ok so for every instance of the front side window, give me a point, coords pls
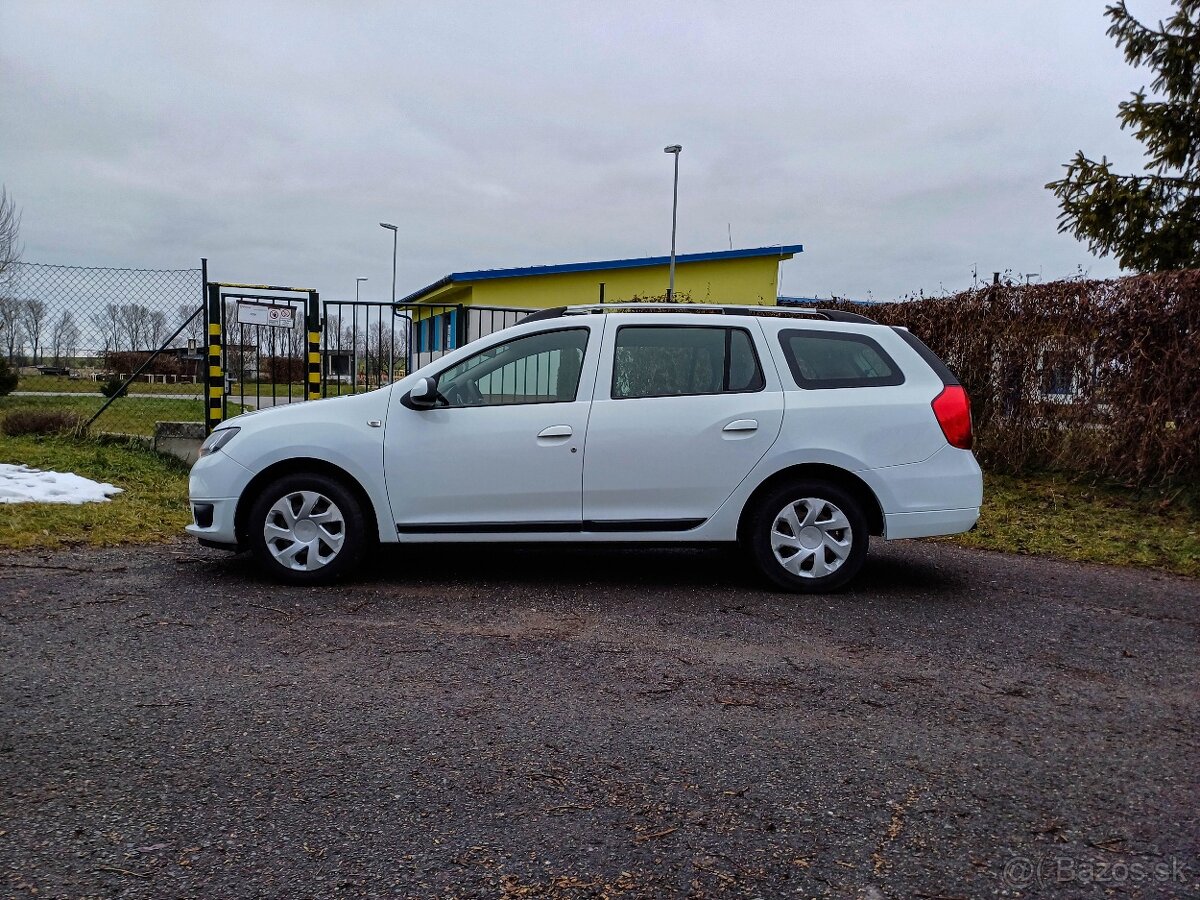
(683, 360)
(540, 368)
(835, 359)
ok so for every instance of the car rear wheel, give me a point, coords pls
(307, 529)
(809, 537)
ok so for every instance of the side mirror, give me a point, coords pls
(424, 394)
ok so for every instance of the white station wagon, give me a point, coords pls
(795, 433)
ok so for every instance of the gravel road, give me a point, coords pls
(536, 723)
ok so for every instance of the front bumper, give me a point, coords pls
(215, 485)
(213, 522)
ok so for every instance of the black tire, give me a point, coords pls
(760, 540)
(353, 529)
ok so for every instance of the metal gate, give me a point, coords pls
(264, 347)
(269, 344)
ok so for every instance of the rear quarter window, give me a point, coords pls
(931, 359)
(835, 359)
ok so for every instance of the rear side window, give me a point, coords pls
(683, 360)
(834, 359)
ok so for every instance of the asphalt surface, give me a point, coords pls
(511, 723)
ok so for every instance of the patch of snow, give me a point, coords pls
(22, 484)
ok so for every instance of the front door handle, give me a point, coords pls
(556, 431)
(742, 425)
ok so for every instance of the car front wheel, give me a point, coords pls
(307, 529)
(809, 537)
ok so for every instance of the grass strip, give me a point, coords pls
(127, 415)
(153, 507)
(1052, 515)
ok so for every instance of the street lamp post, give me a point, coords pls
(674, 150)
(408, 361)
(392, 229)
(357, 282)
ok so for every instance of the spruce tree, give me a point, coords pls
(1149, 222)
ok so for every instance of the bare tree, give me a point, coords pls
(294, 346)
(33, 320)
(338, 347)
(339, 334)
(134, 325)
(108, 323)
(10, 239)
(241, 350)
(10, 326)
(64, 337)
(384, 357)
(10, 256)
(195, 330)
(156, 328)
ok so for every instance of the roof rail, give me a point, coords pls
(830, 315)
(552, 313)
(634, 305)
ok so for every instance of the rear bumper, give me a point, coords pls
(939, 495)
(930, 523)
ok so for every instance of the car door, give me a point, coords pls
(502, 450)
(681, 414)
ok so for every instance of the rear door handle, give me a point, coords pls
(556, 431)
(742, 425)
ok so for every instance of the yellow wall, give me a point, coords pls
(751, 280)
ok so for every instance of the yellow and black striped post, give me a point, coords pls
(215, 382)
(313, 323)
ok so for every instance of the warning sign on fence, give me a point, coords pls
(266, 314)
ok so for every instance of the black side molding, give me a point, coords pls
(586, 527)
(641, 524)
(489, 528)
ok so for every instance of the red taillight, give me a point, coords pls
(953, 410)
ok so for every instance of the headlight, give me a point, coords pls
(217, 440)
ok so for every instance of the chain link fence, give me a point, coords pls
(75, 333)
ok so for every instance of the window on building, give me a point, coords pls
(1058, 374)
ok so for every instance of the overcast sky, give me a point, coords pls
(902, 144)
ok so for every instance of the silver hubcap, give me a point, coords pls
(811, 538)
(304, 530)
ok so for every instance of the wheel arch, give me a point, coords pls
(294, 466)
(843, 478)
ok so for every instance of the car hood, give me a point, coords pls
(372, 404)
